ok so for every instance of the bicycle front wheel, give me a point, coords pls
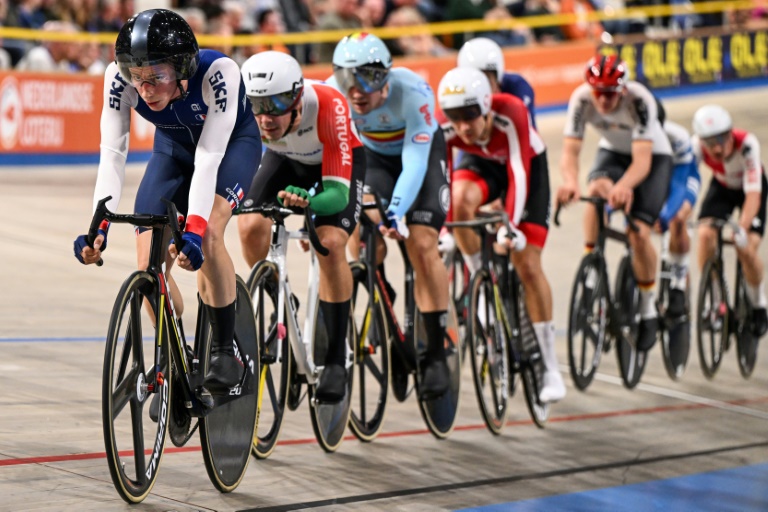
(587, 320)
(712, 317)
(488, 344)
(674, 333)
(631, 361)
(372, 362)
(226, 433)
(134, 438)
(275, 359)
(746, 342)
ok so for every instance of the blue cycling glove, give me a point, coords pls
(193, 249)
(81, 243)
(397, 223)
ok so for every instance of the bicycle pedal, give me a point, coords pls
(205, 397)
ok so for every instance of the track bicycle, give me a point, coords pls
(716, 319)
(597, 319)
(674, 331)
(143, 322)
(288, 354)
(389, 354)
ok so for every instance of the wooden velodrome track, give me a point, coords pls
(54, 315)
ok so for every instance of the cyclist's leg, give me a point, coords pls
(648, 202)
(216, 277)
(752, 266)
(717, 204)
(679, 247)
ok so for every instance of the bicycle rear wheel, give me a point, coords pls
(532, 363)
(134, 442)
(440, 413)
(712, 318)
(488, 345)
(674, 333)
(631, 361)
(329, 420)
(458, 279)
(273, 382)
(746, 342)
(369, 398)
(226, 433)
(587, 320)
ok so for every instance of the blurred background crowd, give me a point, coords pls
(243, 17)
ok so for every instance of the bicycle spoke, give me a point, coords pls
(124, 392)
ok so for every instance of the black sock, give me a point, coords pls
(222, 328)
(434, 322)
(336, 317)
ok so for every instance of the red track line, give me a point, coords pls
(401, 433)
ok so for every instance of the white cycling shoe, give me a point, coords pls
(553, 389)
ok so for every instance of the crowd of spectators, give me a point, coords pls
(242, 17)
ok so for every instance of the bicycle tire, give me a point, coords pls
(587, 320)
(532, 361)
(440, 414)
(631, 361)
(227, 431)
(330, 420)
(674, 333)
(127, 436)
(746, 342)
(274, 373)
(458, 279)
(712, 323)
(372, 361)
(488, 346)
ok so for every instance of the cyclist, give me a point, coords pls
(393, 111)
(632, 169)
(738, 180)
(683, 190)
(503, 157)
(486, 55)
(313, 158)
(206, 150)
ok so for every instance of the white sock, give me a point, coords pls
(545, 332)
(647, 304)
(756, 295)
(473, 261)
(679, 278)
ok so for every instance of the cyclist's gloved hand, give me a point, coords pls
(81, 242)
(445, 241)
(302, 193)
(397, 223)
(741, 238)
(193, 249)
(517, 241)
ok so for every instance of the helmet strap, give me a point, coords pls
(182, 96)
(294, 113)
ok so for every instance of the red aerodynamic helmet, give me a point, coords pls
(606, 73)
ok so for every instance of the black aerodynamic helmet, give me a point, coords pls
(157, 36)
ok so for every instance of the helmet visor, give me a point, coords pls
(466, 114)
(275, 105)
(716, 140)
(368, 79)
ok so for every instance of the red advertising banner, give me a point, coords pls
(56, 114)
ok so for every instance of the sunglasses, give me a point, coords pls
(463, 114)
(368, 79)
(275, 105)
(607, 94)
(716, 140)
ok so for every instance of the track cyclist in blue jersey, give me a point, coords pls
(393, 111)
(206, 150)
(683, 190)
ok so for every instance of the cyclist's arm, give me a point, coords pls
(579, 108)
(119, 98)
(753, 181)
(335, 132)
(518, 133)
(420, 126)
(569, 159)
(220, 92)
(678, 194)
(640, 168)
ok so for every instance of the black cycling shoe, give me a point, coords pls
(646, 333)
(332, 384)
(435, 380)
(224, 372)
(154, 407)
(676, 307)
(759, 322)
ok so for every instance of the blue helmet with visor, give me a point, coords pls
(361, 60)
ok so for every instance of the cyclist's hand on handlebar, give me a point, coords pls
(88, 255)
(741, 238)
(191, 256)
(293, 196)
(567, 192)
(445, 241)
(620, 197)
(397, 228)
(515, 241)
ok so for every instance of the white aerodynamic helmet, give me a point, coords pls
(484, 54)
(464, 94)
(711, 120)
(273, 82)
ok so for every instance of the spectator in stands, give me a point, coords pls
(424, 44)
(582, 28)
(342, 15)
(28, 14)
(373, 12)
(107, 19)
(542, 8)
(196, 19)
(86, 58)
(51, 55)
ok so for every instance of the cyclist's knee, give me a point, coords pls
(333, 239)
